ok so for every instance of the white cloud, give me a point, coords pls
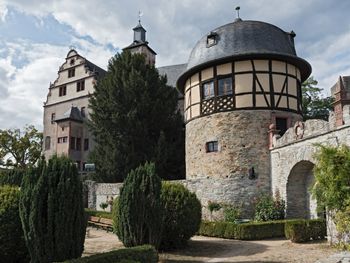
(3, 12)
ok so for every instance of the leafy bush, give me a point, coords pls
(182, 215)
(103, 214)
(12, 245)
(51, 210)
(140, 209)
(342, 221)
(11, 177)
(213, 206)
(268, 208)
(115, 214)
(135, 254)
(304, 230)
(231, 213)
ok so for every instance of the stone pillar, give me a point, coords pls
(273, 132)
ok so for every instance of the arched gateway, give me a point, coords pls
(300, 203)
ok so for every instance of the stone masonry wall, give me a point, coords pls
(223, 176)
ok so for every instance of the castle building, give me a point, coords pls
(66, 110)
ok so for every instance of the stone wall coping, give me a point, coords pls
(310, 137)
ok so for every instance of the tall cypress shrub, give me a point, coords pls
(51, 210)
(140, 211)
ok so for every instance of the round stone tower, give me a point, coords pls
(240, 78)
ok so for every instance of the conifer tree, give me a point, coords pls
(135, 119)
(51, 211)
(139, 212)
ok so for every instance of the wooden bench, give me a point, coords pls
(101, 222)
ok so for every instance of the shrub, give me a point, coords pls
(51, 210)
(245, 231)
(136, 254)
(182, 215)
(342, 222)
(304, 230)
(103, 214)
(140, 210)
(11, 177)
(12, 245)
(260, 230)
(231, 213)
(268, 208)
(115, 214)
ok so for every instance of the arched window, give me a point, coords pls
(47, 143)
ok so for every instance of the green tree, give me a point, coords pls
(135, 119)
(139, 212)
(51, 211)
(332, 178)
(314, 106)
(20, 149)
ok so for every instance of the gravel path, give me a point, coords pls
(206, 249)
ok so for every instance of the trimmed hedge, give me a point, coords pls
(103, 214)
(296, 230)
(135, 254)
(304, 230)
(246, 231)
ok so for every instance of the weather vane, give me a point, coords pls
(237, 9)
(140, 14)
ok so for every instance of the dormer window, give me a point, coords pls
(212, 39)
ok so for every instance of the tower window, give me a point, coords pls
(212, 39)
(62, 91)
(62, 139)
(281, 125)
(53, 117)
(225, 86)
(86, 144)
(212, 146)
(82, 111)
(71, 73)
(208, 90)
(80, 85)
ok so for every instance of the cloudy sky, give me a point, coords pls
(35, 36)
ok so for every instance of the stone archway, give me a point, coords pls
(300, 203)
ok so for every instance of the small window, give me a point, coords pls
(72, 61)
(62, 139)
(62, 91)
(86, 144)
(78, 148)
(80, 85)
(212, 39)
(281, 125)
(82, 111)
(47, 143)
(53, 117)
(71, 73)
(212, 146)
(208, 90)
(72, 143)
(225, 86)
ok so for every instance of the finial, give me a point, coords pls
(140, 14)
(71, 47)
(237, 9)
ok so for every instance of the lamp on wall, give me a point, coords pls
(251, 173)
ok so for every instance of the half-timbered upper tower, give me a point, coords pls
(240, 78)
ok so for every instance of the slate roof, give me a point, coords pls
(246, 39)
(72, 114)
(94, 68)
(172, 72)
